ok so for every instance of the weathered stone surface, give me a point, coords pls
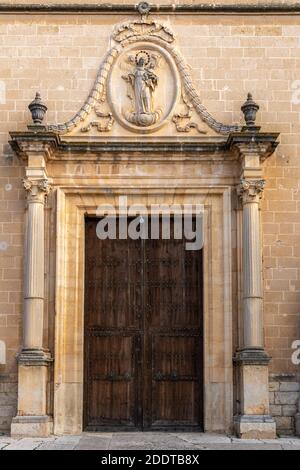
(286, 398)
(284, 423)
(289, 410)
(290, 386)
(7, 410)
(24, 444)
(275, 410)
(284, 403)
(200, 438)
(273, 387)
(32, 426)
(144, 441)
(255, 427)
(61, 443)
(297, 423)
(272, 397)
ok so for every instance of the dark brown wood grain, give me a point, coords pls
(143, 334)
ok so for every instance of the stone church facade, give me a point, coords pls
(171, 105)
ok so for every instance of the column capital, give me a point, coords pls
(250, 191)
(37, 189)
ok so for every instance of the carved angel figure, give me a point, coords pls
(143, 82)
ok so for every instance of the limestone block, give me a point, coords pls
(272, 398)
(6, 411)
(286, 398)
(32, 390)
(275, 410)
(290, 387)
(283, 422)
(31, 426)
(289, 410)
(274, 386)
(255, 427)
(255, 390)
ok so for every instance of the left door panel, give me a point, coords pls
(113, 329)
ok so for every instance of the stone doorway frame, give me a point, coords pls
(41, 150)
(218, 369)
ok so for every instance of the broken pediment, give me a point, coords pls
(143, 88)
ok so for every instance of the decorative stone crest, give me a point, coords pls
(37, 190)
(142, 30)
(251, 190)
(155, 77)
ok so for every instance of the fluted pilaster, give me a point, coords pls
(250, 193)
(37, 191)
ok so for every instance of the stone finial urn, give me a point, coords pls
(37, 109)
(250, 109)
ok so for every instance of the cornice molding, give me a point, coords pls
(108, 8)
(38, 143)
(25, 142)
(260, 143)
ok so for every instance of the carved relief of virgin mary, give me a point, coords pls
(143, 83)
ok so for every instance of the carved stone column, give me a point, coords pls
(250, 193)
(254, 420)
(33, 361)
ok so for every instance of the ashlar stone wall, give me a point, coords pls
(229, 56)
(284, 399)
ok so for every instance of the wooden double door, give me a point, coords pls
(143, 334)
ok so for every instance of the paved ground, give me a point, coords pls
(146, 441)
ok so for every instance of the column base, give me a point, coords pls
(31, 426)
(297, 423)
(255, 427)
(252, 357)
(33, 378)
(35, 357)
